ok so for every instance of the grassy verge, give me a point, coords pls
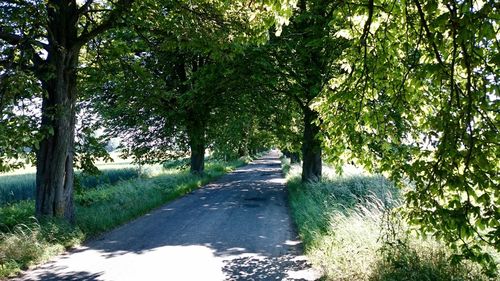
(25, 241)
(352, 230)
(104, 208)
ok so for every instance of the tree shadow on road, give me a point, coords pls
(240, 224)
(265, 268)
(67, 276)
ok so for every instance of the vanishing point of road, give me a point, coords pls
(237, 228)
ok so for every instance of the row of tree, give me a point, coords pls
(405, 88)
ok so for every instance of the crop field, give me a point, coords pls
(19, 185)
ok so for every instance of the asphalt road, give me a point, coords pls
(237, 228)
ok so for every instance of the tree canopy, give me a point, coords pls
(418, 100)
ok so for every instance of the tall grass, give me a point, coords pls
(105, 207)
(352, 230)
(25, 241)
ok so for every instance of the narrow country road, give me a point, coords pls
(237, 228)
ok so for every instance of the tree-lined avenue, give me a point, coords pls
(237, 228)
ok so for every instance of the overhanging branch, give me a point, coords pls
(25, 44)
(14, 39)
(368, 23)
(109, 23)
(85, 7)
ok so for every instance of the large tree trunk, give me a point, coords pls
(54, 176)
(196, 134)
(311, 148)
(197, 158)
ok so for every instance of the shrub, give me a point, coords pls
(181, 163)
(16, 213)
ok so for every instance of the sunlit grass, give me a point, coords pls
(352, 230)
(25, 241)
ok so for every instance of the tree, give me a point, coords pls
(303, 57)
(42, 40)
(174, 61)
(419, 102)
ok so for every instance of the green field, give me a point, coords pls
(20, 185)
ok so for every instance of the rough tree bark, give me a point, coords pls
(58, 76)
(311, 148)
(54, 176)
(195, 126)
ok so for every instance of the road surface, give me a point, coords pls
(237, 228)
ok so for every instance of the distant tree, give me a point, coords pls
(248, 116)
(168, 75)
(302, 58)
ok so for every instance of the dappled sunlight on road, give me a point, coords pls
(286, 267)
(237, 228)
(191, 262)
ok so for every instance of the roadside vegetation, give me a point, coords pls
(25, 240)
(352, 229)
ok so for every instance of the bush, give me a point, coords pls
(181, 163)
(16, 213)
